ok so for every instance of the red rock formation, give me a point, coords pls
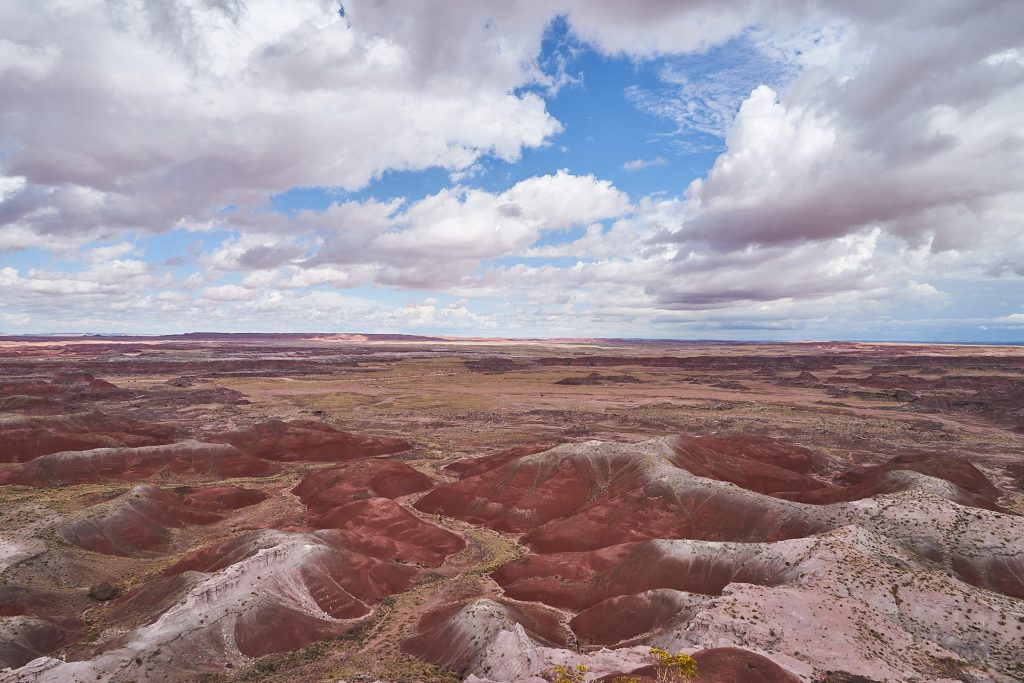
(28, 438)
(140, 519)
(1003, 574)
(336, 485)
(579, 581)
(188, 458)
(527, 491)
(756, 463)
(278, 591)
(724, 665)
(33, 623)
(468, 636)
(352, 503)
(380, 527)
(586, 496)
(307, 441)
(276, 628)
(622, 619)
(972, 487)
(470, 467)
(343, 583)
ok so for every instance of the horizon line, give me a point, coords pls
(402, 336)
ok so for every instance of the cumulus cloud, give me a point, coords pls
(228, 293)
(444, 236)
(922, 129)
(868, 154)
(225, 103)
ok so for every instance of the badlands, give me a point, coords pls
(216, 508)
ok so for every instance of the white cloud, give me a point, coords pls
(111, 251)
(228, 293)
(641, 164)
(870, 154)
(27, 61)
(9, 276)
(226, 103)
(443, 237)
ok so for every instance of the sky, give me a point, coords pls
(713, 169)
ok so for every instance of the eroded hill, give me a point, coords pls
(316, 508)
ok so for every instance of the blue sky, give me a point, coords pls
(543, 169)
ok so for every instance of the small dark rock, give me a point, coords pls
(102, 592)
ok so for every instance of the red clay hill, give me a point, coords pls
(139, 519)
(306, 441)
(190, 508)
(187, 459)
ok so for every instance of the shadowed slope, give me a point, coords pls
(352, 503)
(33, 623)
(340, 484)
(755, 463)
(972, 487)
(581, 580)
(140, 519)
(623, 618)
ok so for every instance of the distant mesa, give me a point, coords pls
(187, 458)
(709, 363)
(1000, 401)
(140, 519)
(731, 385)
(44, 397)
(496, 365)
(596, 379)
(167, 398)
(74, 381)
(307, 441)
